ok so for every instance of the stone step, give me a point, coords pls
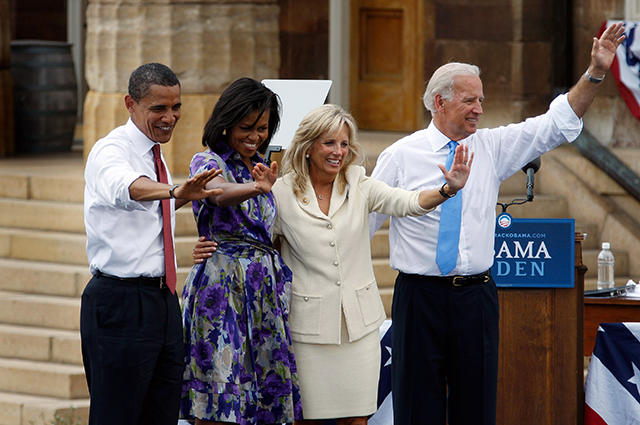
(43, 379)
(42, 215)
(387, 299)
(44, 311)
(591, 230)
(41, 344)
(385, 275)
(52, 247)
(43, 278)
(20, 409)
(67, 217)
(52, 176)
(380, 243)
(67, 248)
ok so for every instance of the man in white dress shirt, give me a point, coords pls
(130, 322)
(445, 323)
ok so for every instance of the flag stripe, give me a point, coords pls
(610, 397)
(591, 417)
(616, 352)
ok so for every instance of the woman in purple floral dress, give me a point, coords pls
(240, 367)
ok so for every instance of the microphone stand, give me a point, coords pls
(530, 169)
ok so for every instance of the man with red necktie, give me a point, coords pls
(130, 317)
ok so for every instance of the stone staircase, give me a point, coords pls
(43, 271)
(43, 265)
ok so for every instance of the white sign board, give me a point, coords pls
(299, 97)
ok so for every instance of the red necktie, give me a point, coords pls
(169, 262)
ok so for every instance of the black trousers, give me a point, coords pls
(445, 352)
(133, 354)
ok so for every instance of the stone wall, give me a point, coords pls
(512, 43)
(208, 44)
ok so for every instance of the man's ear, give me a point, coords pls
(439, 103)
(128, 102)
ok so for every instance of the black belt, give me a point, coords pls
(458, 280)
(155, 282)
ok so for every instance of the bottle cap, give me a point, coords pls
(605, 245)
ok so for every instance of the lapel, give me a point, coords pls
(309, 202)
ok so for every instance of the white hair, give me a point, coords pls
(441, 82)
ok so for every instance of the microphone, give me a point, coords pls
(530, 169)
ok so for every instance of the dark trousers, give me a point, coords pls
(133, 354)
(445, 352)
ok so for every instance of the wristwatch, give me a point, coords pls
(171, 191)
(592, 78)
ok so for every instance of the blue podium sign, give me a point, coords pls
(534, 252)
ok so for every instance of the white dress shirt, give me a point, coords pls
(124, 237)
(411, 163)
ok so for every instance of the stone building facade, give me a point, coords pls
(528, 50)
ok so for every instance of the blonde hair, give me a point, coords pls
(323, 121)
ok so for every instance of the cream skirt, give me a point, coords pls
(339, 381)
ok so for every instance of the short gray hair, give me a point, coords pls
(441, 82)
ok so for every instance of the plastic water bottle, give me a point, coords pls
(605, 267)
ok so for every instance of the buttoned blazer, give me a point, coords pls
(330, 255)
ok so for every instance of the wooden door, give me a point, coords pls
(386, 64)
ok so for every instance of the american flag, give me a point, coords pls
(626, 66)
(612, 387)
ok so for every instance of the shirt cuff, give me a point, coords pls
(565, 118)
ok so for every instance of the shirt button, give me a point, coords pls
(329, 226)
(338, 283)
(306, 298)
(332, 244)
(335, 263)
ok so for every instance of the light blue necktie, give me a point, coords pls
(449, 233)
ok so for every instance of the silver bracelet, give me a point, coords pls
(593, 79)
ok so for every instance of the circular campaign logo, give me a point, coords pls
(505, 220)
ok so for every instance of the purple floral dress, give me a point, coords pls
(239, 360)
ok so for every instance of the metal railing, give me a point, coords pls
(606, 160)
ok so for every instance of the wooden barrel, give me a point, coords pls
(45, 95)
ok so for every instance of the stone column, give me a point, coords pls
(6, 83)
(208, 44)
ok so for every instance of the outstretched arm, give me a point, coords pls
(236, 193)
(194, 189)
(456, 178)
(603, 52)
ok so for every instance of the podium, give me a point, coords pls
(540, 378)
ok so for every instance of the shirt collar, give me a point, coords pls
(141, 142)
(437, 139)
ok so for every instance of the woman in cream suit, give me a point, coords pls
(324, 199)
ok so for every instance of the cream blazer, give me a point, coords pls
(330, 255)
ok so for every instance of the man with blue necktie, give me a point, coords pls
(445, 304)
